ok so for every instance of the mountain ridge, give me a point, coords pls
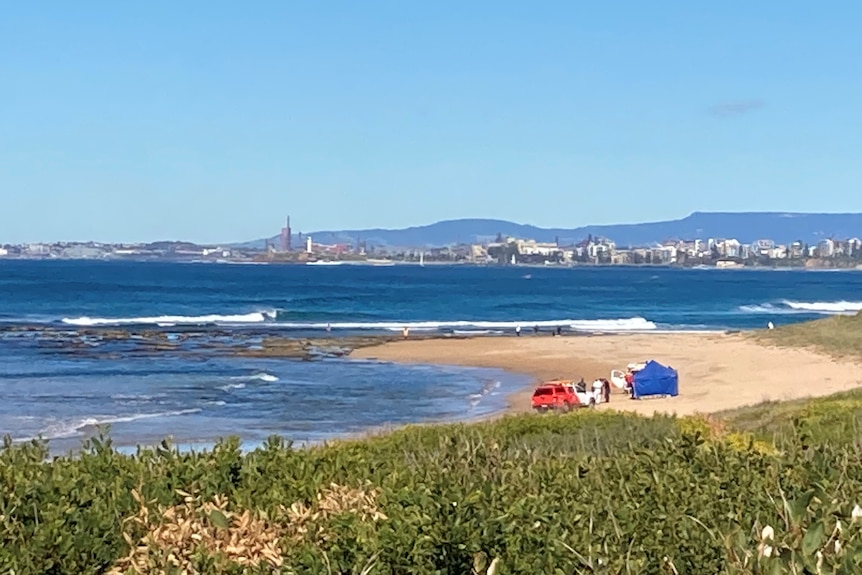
(747, 227)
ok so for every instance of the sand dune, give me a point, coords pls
(717, 371)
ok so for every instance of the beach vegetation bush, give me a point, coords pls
(839, 336)
(587, 492)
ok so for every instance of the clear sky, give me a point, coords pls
(210, 121)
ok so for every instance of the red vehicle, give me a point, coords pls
(555, 395)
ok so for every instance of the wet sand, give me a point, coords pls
(716, 371)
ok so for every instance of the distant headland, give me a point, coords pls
(722, 239)
(746, 227)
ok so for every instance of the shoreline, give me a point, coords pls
(718, 371)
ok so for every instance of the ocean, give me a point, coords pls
(72, 357)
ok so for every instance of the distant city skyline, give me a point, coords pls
(208, 122)
(747, 227)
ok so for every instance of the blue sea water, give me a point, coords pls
(60, 379)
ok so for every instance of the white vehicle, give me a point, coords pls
(591, 397)
(618, 377)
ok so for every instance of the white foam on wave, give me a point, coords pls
(131, 399)
(622, 324)
(172, 320)
(262, 376)
(789, 307)
(231, 386)
(60, 430)
(825, 306)
(477, 332)
(768, 308)
(487, 389)
(629, 324)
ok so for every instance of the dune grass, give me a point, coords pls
(838, 336)
(834, 419)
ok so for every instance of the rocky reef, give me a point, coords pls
(110, 343)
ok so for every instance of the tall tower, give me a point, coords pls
(285, 236)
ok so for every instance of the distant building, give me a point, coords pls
(779, 252)
(764, 246)
(309, 246)
(826, 249)
(284, 244)
(797, 250)
(534, 248)
(664, 255)
(478, 253)
(728, 248)
(82, 252)
(38, 249)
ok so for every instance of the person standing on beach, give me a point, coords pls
(405, 332)
(518, 330)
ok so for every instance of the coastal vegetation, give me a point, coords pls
(838, 336)
(766, 489)
(769, 489)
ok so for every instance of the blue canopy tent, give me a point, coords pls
(655, 379)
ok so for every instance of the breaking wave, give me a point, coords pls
(61, 430)
(627, 324)
(768, 309)
(825, 306)
(789, 307)
(477, 332)
(289, 320)
(262, 376)
(170, 320)
(231, 386)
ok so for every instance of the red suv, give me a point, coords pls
(554, 396)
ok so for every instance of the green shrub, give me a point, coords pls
(587, 492)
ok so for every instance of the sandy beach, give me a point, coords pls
(717, 371)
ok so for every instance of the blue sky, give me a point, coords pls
(210, 121)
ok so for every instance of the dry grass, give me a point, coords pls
(310, 519)
(178, 538)
(839, 336)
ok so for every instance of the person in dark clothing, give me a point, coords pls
(536, 329)
(581, 386)
(606, 390)
(559, 330)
